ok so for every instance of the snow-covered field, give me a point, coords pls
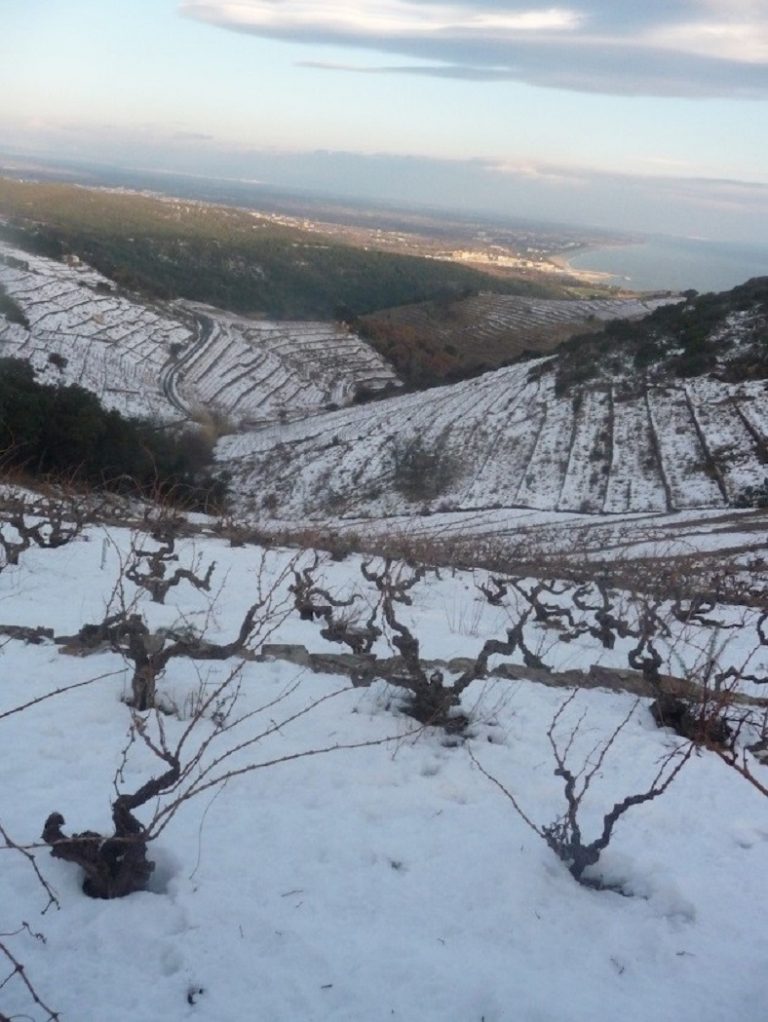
(341, 862)
(392, 881)
(496, 314)
(704, 540)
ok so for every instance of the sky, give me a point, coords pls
(630, 114)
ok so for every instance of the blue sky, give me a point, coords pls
(638, 114)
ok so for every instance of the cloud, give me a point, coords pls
(378, 19)
(692, 48)
(556, 176)
(192, 136)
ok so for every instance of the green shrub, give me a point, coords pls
(51, 430)
(9, 308)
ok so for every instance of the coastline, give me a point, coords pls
(670, 264)
(561, 265)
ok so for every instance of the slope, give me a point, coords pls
(228, 257)
(159, 359)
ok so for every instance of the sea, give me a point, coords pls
(676, 264)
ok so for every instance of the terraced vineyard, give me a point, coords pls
(82, 331)
(529, 319)
(623, 442)
(163, 359)
(488, 330)
(256, 370)
(507, 440)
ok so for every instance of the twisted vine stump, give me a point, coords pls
(117, 865)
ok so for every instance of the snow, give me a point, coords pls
(508, 441)
(387, 882)
(535, 323)
(254, 370)
(387, 877)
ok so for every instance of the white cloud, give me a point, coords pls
(646, 47)
(380, 17)
(541, 173)
(726, 38)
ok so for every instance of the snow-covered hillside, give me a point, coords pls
(496, 313)
(82, 331)
(255, 371)
(507, 440)
(163, 360)
(389, 880)
(624, 443)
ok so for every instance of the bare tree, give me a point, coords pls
(48, 523)
(431, 698)
(125, 631)
(695, 705)
(150, 652)
(313, 602)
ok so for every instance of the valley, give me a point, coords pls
(388, 577)
(325, 425)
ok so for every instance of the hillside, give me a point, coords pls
(594, 429)
(169, 359)
(507, 439)
(724, 334)
(585, 454)
(232, 258)
(439, 342)
(254, 764)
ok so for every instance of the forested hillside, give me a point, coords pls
(724, 333)
(232, 258)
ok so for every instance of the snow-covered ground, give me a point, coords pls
(373, 871)
(705, 539)
(501, 314)
(257, 371)
(503, 441)
(393, 881)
